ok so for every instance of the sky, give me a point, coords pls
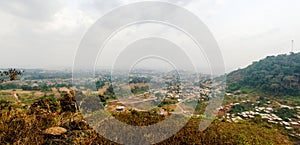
(47, 34)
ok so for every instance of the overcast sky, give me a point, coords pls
(46, 34)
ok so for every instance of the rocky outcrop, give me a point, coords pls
(68, 103)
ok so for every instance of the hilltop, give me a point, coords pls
(275, 75)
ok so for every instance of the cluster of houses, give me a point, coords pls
(121, 108)
(45, 82)
(266, 113)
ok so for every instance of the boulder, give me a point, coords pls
(68, 103)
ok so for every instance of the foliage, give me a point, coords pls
(286, 113)
(42, 75)
(241, 108)
(135, 80)
(18, 126)
(100, 84)
(10, 75)
(109, 93)
(139, 90)
(279, 75)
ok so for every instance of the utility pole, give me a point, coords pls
(292, 49)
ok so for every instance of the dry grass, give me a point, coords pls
(25, 125)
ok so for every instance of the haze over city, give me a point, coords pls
(36, 34)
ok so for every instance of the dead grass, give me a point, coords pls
(25, 125)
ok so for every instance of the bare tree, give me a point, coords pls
(10, 75)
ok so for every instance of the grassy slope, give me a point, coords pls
(21, 125)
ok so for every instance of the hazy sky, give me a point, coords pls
(46, 34)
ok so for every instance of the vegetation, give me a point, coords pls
(21, 123)
(42, 75)
(276, 75)
(109, 93)
(139, 90)
(9, 75)
(136, 80)
(241, 108)
(100, 84)
(286, 113)
(25, 125)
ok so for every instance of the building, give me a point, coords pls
(120, 108)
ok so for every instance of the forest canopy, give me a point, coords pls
(278, 75)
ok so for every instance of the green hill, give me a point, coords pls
(276, 75)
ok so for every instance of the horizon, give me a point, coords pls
(105, 68)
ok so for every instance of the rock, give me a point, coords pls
(45, 105)
(68, 103)
(55, 131)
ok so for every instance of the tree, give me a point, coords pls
(274, 75)
(100, 84)
(275, 87)
(109, 93)
(10, 75)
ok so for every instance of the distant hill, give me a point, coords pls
(276, 75)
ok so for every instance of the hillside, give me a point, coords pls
(47, 122)
(276, 75)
